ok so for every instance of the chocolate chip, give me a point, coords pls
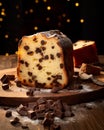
(8, 113)
(11, 77)
(46, 57)
(52, 56)
(61, 65)
(15, 122)
(58, 55)
(55, 89)
(26, 64)
(43, 48)
(30, 92)
(38, 50)
(5, 86)
(22, 61)
(22, 110)
(26, 47)
(4, 79)
(43, 42)
(30, 53)
(25, 127)
(53, 47)
(29, 73)
(18, 83)
(35, 39)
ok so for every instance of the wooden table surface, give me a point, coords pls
(87, 116)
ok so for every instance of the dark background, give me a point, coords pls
(21, 16)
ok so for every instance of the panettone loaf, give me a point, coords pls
(84, 52)
(45, 60)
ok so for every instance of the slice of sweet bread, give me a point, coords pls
(84, 52)
(45, 59)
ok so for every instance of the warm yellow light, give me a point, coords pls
(2, 9)
(3, 13)
(17, 6)
(1, 19)
(26, 12)
(48, 7)
(6, 36)
(44, 0)
(47, 19)
(35, 28)
(6, 54)
(16, 52)
(36, 1)
(82, 20)
(76, 4)
(31, 10)
(68, 20)
(63, 15)
(0, 4)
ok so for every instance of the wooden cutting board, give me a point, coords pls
(15, 95)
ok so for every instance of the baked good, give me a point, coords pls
(45, 60)
(84, 52)
(90, 69)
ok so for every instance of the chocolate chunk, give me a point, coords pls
(5, 79)
(24, 126)
(5, 86)
(39, 114)
(15, 122)
(55, 89)
(41, 101)
(22, 110)
(42, 107)
(30, 92)
(8, 113)
(18, 83)
(11, 77)
(32, 114)
(32, 105)
(48, 120)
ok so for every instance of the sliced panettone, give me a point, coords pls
(45, 59)
(84, 52)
